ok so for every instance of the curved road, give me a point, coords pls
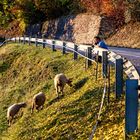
(131, 54)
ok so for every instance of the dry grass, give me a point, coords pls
(26, 70)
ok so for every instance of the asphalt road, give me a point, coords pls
(131, 54)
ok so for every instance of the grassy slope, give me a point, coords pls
(26, 70)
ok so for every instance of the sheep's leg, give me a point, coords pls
(37, 108)
(62, 88)
(10, 121)
(41, 107)
(57, 91)
(32, 108)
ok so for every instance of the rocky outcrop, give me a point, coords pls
(79, 28)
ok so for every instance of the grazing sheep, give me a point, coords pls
(38, 101)
(60, 80)
(13, 110)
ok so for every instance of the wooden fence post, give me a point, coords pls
(19, 39)
(75, 54)
(36, 43)
(29, 40)
(96, 69)
(64, 48)
(43, 43)
(15, 39)
(53, 45)
(118, 77)
(89, 55)
(85, 59)
(24, 39)
(131, 106)
(104, 63)
(108, 98)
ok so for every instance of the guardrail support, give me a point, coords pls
(75, 54)
(89, 55)
(43, 43)
(131, 106)
(24, 39)
(53, 45)
(36, 43)
(29, 40)
(118, 77)
(64, 48)
(104, 63)
(19, 39)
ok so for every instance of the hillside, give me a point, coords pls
(27, 70)
(127, 36)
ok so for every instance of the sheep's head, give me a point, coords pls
(69, 82)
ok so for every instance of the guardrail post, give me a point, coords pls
(15, 39)
(96, 69)
(89, 55)
(75, 54)
(36, 43)
(131, 106)
(64, 48)
(24, 39)
(108, 98)
(104, 63)
(53, 45)
(43, 43)
(19, 39)
(29, 40)
(118, 77)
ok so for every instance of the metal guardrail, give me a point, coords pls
(129, 68)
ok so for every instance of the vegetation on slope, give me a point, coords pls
(21, 13)
(27, 70)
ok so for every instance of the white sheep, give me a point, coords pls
(13, 110)
(38, 101)
(60, 80)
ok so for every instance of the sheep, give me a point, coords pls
(60, 80)
(38, 101)
(13, 110)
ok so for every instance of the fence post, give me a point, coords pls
(24, 39)
(43, 43)
(36, 43)
(89, 55)
(15, 39)
(85, 59)
(64, 48)
(118, 77)
(19, 39)
(96, 69)
(29, 40)
(75, 54)
(108, 100)
(131, 106)
(104, 64)
(53, 46)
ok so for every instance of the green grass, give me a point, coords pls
(27, 70)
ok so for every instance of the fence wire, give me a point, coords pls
(100, 111)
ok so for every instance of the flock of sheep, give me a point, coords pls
(38, 101)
